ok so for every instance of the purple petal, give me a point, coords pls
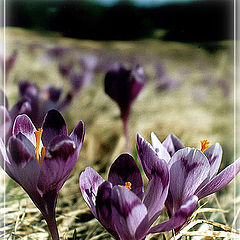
(24, 125)
(104, 207)
(18, 151)
(89, 181)
(179, 218)
(157, 190)
(159, 148)
(3, 152)
(129, 213)
(172, 144)
(27, 88)
(27, 143)
(189, 167)
(78, 133)
(53, 125)
(146, 155)
(23, 106)
(221, 180)
(123, 170)
(214, 156)
(55, 166)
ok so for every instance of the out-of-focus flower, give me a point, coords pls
(65, 68)
(41, 160)
(57, 52)
(40, 101)
(193, 173)
(80, 80)
(33, 103)
(88, 62)
(123, 86)
(9, 62)
(119, 204)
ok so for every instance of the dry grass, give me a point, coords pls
(174, 111)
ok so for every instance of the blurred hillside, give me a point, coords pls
(199, 21)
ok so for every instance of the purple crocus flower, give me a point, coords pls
(119, 203)
(123, 86)
(41, 160)
(193, 173)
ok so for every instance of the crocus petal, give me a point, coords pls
(24, 125)
(128, 213)
(23, 106)
(18, 151)
(214, 156)
(123, 170)
(53, 125)
(179, 218)
(157, 190)
(189, 167)
(54, 168)
(89, 181)
(146, 154)
(172, 144)
(78, 133)
(221, 180)
(159, 148)
(104, 207)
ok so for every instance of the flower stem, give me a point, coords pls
(126, 134)
(52, 226)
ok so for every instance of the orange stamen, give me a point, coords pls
(46, 95)
(128, 185)
(204, 145)
(43, 151)
(38, 134)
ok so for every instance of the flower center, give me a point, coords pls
(204, 145)
(38, 134)
(128, 185)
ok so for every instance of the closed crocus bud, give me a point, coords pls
(123, 86)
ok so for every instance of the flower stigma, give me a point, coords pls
(38, 134)
(128, 185)
(204, 145)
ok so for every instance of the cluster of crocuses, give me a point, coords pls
(178, 177)
(32, 102)
(41, 160)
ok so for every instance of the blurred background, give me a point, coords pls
(186, 49)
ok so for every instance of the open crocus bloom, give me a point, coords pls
(41, 160)
(119, 204)
(193, 173)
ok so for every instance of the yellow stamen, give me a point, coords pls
(128, 185)
(204, 145)
(43, 151)
(38, 134)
